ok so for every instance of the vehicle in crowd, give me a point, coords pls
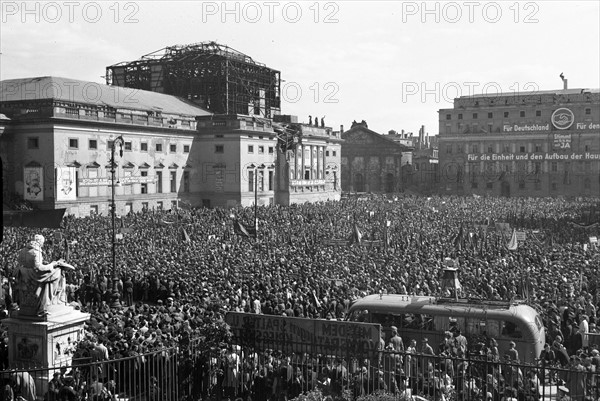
(417, 317)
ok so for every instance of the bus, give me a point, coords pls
(417, 317)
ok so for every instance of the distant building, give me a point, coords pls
(372, 162)
(422, 175)
(245, 158)
(544, 143)
(57, 139)
(57, 135)
(214, 76)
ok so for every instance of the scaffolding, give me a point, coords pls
(213, 76)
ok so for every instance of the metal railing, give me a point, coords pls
(264, 373)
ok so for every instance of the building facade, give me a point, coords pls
(372, 162)
(527, 144)
(58, 135)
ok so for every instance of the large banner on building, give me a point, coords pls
(65, 184)
(33, 180)
(292, 334)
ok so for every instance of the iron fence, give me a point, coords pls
(264, 373)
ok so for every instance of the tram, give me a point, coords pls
(417, 317)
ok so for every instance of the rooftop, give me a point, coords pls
(92, 93)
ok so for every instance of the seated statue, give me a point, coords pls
(38, 286)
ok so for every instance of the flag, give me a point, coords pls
(513, 244)
(184, 235)
(459, 239)
(242, 230)
(356, 236)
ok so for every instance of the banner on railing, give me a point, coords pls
(292, 334)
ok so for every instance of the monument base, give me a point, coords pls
(44, 342)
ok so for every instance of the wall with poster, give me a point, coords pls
(65, 184)
(33, 181)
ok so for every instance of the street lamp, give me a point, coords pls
(113, 209)
(255, 168)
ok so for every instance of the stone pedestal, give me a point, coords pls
(44, 342)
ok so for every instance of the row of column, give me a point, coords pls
(312, 157)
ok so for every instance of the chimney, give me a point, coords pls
(565, 83)
(341, 129)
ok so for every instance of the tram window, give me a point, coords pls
(360, 316)
(493, 328)
(511, 330)
(476, 327)
(421, 322)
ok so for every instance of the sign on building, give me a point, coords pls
(65, 184)
(33, 181)
(292, 334)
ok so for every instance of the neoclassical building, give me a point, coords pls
(371, 162)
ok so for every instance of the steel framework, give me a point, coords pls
(214, 76)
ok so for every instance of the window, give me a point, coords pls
(460, 116)
(506, 148)
(586, 183)
(159, 183)
(33, 142)
(186, 148)
(159, 205)
(173, 148)
(219, 136)
(327, 153)
(271, 150)
(128, 146)
(73, 143)
(474, 116)
(448, 116)
(186, 181)
(250, 181)
(587, 147)
(144, 173)
(144, 187)
(334, 153)
(554, 167)
(448, 149)
(158, 147)
(270, 180)
(144, 146)
(521, 185)
(490, 149)
(145, 206)
(261, 150)
(250, 148)
(93, 210)
(537, 185)
(474, 184)
(490, 115)
(553, 186)
(538, 147)
(538, 113)
(588, 110)
(92, 144)
(474, 149)
(219, 148)
(522, 149)
(173, 180)
(506, 114)
(522, 113)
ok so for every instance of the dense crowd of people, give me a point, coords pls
(179, 271)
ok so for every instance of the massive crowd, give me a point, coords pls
(179, 271)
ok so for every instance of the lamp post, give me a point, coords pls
(118, 141)
(255, 167)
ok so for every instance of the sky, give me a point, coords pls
(394, 64)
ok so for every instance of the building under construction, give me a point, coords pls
(215, 77)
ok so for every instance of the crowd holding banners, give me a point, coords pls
(172, 288)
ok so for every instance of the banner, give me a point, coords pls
(521, 236)
(593, 240)
(293, 334)
(33, 179)
(65, 184)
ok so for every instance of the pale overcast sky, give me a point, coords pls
(391, 63)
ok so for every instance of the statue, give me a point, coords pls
(39, 286)
(309, 120)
